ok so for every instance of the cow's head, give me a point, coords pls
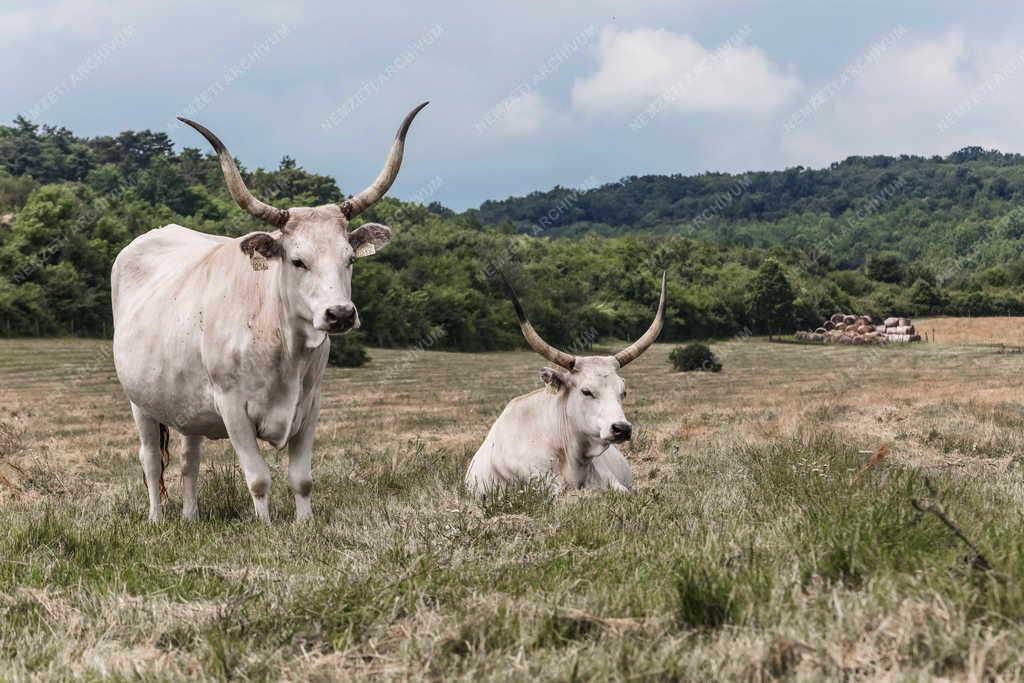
(590, 386)
(313, 245)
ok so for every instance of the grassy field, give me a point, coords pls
(990, 329)
(755, 547)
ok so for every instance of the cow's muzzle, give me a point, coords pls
(621, 431)
(341, 318)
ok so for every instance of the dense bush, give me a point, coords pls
(694, 357)
(347, 351)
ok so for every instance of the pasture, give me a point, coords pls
(754, 547)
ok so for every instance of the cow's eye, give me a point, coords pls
(588, 393)
(300, 264)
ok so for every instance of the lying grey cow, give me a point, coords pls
(565, 433)
(217, 337)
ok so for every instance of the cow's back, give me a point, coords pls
(517, 445)
(152, 261)
(159, 283)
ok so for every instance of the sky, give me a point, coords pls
(526, 95)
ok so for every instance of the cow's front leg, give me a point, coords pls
(243, 438)
(300, 458)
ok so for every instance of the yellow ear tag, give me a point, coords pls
(258, 262)
(366, 249)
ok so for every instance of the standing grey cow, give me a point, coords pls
(565, 433)
(228, 338)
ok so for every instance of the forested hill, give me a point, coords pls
(764, 252)
(929, 209)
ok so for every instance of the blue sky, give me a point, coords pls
(529, 94)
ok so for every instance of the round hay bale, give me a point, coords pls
(850, 319)
(892, 322)
(837, 317)
(908, 329)
(904, 322)
(840, 326)
(858, 341)
(820, 330)
(829, 325)
(880, 328)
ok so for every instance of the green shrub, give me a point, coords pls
(694, 357)
(347, 352)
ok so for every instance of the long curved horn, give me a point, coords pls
(236, 186)
(631, 352)
(561, 358)
(368, 197)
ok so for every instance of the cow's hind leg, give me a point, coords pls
(151, 458)
(190, 477)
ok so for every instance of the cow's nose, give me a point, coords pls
(339, 317)
(621, 431)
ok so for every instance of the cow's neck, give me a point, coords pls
(300, 338)
(576, 452)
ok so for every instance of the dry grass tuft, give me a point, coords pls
(876, 458)
(10, 439)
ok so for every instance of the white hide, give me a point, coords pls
(558, 434)
(204, 344)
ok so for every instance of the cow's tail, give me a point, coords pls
(165, 457)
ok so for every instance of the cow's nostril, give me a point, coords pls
(339, 315)
(622, 430)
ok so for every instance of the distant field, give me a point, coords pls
(985, 330)
(751, 550)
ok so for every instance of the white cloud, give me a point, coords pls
(68, 19)
(924, 96)
(526, 115)
(639, 68)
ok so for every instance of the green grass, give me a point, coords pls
(748, 551)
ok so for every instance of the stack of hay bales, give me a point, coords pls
(900, 330)
(843, 328)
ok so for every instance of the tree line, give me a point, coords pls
(765, 252)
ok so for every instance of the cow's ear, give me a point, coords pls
(555, 379)
(262, 243)
(369, 238)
